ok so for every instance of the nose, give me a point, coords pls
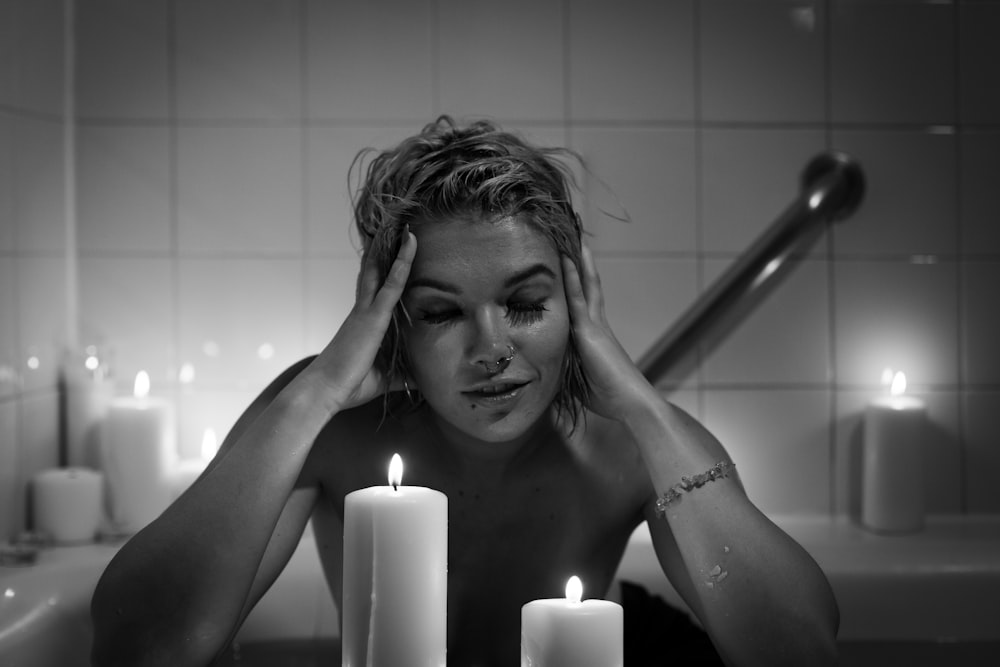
(490, 347)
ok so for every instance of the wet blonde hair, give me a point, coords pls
(479, 172)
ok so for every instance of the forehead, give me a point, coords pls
(461, 249)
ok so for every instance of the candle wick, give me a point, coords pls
(395, 487)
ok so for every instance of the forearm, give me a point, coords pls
(760, 596)
(184, 579)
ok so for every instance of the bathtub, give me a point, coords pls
(928, 598)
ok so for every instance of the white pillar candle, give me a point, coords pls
(139, 449)
(568, 632)
(395, 575)
(892, 480)
(67, 504)
(88, 393)
(186, 471)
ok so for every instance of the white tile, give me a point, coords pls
(329, 297)
(11, 485)
(631, 60)
(911, 195)
(898, 315)
(41, 31)
(749, 177)
(942, 453)
(123, 189)
(979, 64)
(240, 320)
(780, 442)
(785, 338)
(126, 304)
(980, 323)
(240, 190)
(643, 297)
(981, 412)
(9, 56)
(203, 408)
(980, 196)
(762, 61)
(370, 60)
(39, 197)
(501, 64)
(238, 59)
(122, 59)
(331, 152)
(8, 221)
(645, 173)
(10, 366)
(893, 62)
(41, 318)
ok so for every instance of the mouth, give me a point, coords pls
(496, 392)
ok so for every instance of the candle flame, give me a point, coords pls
(395, 471)
(209, 444)
(574, 589)
(898, 384)
(141, 387)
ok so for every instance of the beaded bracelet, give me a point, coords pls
(673, 494)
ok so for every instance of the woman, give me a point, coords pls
(477, 349)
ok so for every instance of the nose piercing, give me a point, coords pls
(501, 364)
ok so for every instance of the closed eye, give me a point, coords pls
(519, 313)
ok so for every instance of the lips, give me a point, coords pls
(495, 391)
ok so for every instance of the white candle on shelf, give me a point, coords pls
(570, 632)
(186, 471)
(139, 449)
(67, 504)
(89, 390)
(395, 575)
(892, 480)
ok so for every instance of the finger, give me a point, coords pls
(575, 297)
(395, 282)
(592, 286)
(368, 282)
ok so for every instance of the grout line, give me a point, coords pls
(960, 282)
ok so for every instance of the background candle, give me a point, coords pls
(139, 448)
(184, 472)
(568, 632)
(395, 576)
(89, 390)
(892, 481)
(67, 504)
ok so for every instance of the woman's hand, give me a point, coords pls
(616, 385)
(346, 365)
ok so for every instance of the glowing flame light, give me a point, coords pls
(574, 589)
(209, 444)
(141, 387)
(898, 384)
(395, 471)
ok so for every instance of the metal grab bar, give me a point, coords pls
(833, 186)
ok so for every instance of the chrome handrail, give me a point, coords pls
(833, 186)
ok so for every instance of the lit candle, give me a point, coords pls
(67, 504)
(568, 632)
(892, 484)
(139, 449)
(89, 390)
(395, 575)
(186, 471)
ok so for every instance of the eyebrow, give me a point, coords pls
(514, 279)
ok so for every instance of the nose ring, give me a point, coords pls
(501, 364)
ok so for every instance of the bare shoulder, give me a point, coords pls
(611, 456)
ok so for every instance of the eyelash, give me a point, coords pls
(518, 313)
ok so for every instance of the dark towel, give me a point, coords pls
(658, 634)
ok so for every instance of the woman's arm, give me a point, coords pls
(176, 592)
(759, 595)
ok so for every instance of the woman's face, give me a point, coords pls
(476, 288)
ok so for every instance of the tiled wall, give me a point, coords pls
(214, 141)
(33, 280)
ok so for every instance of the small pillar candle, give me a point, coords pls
(89, 391)
(139, 448)
(892, 481)
(68, 504)
(570, 632)
(395, 591)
